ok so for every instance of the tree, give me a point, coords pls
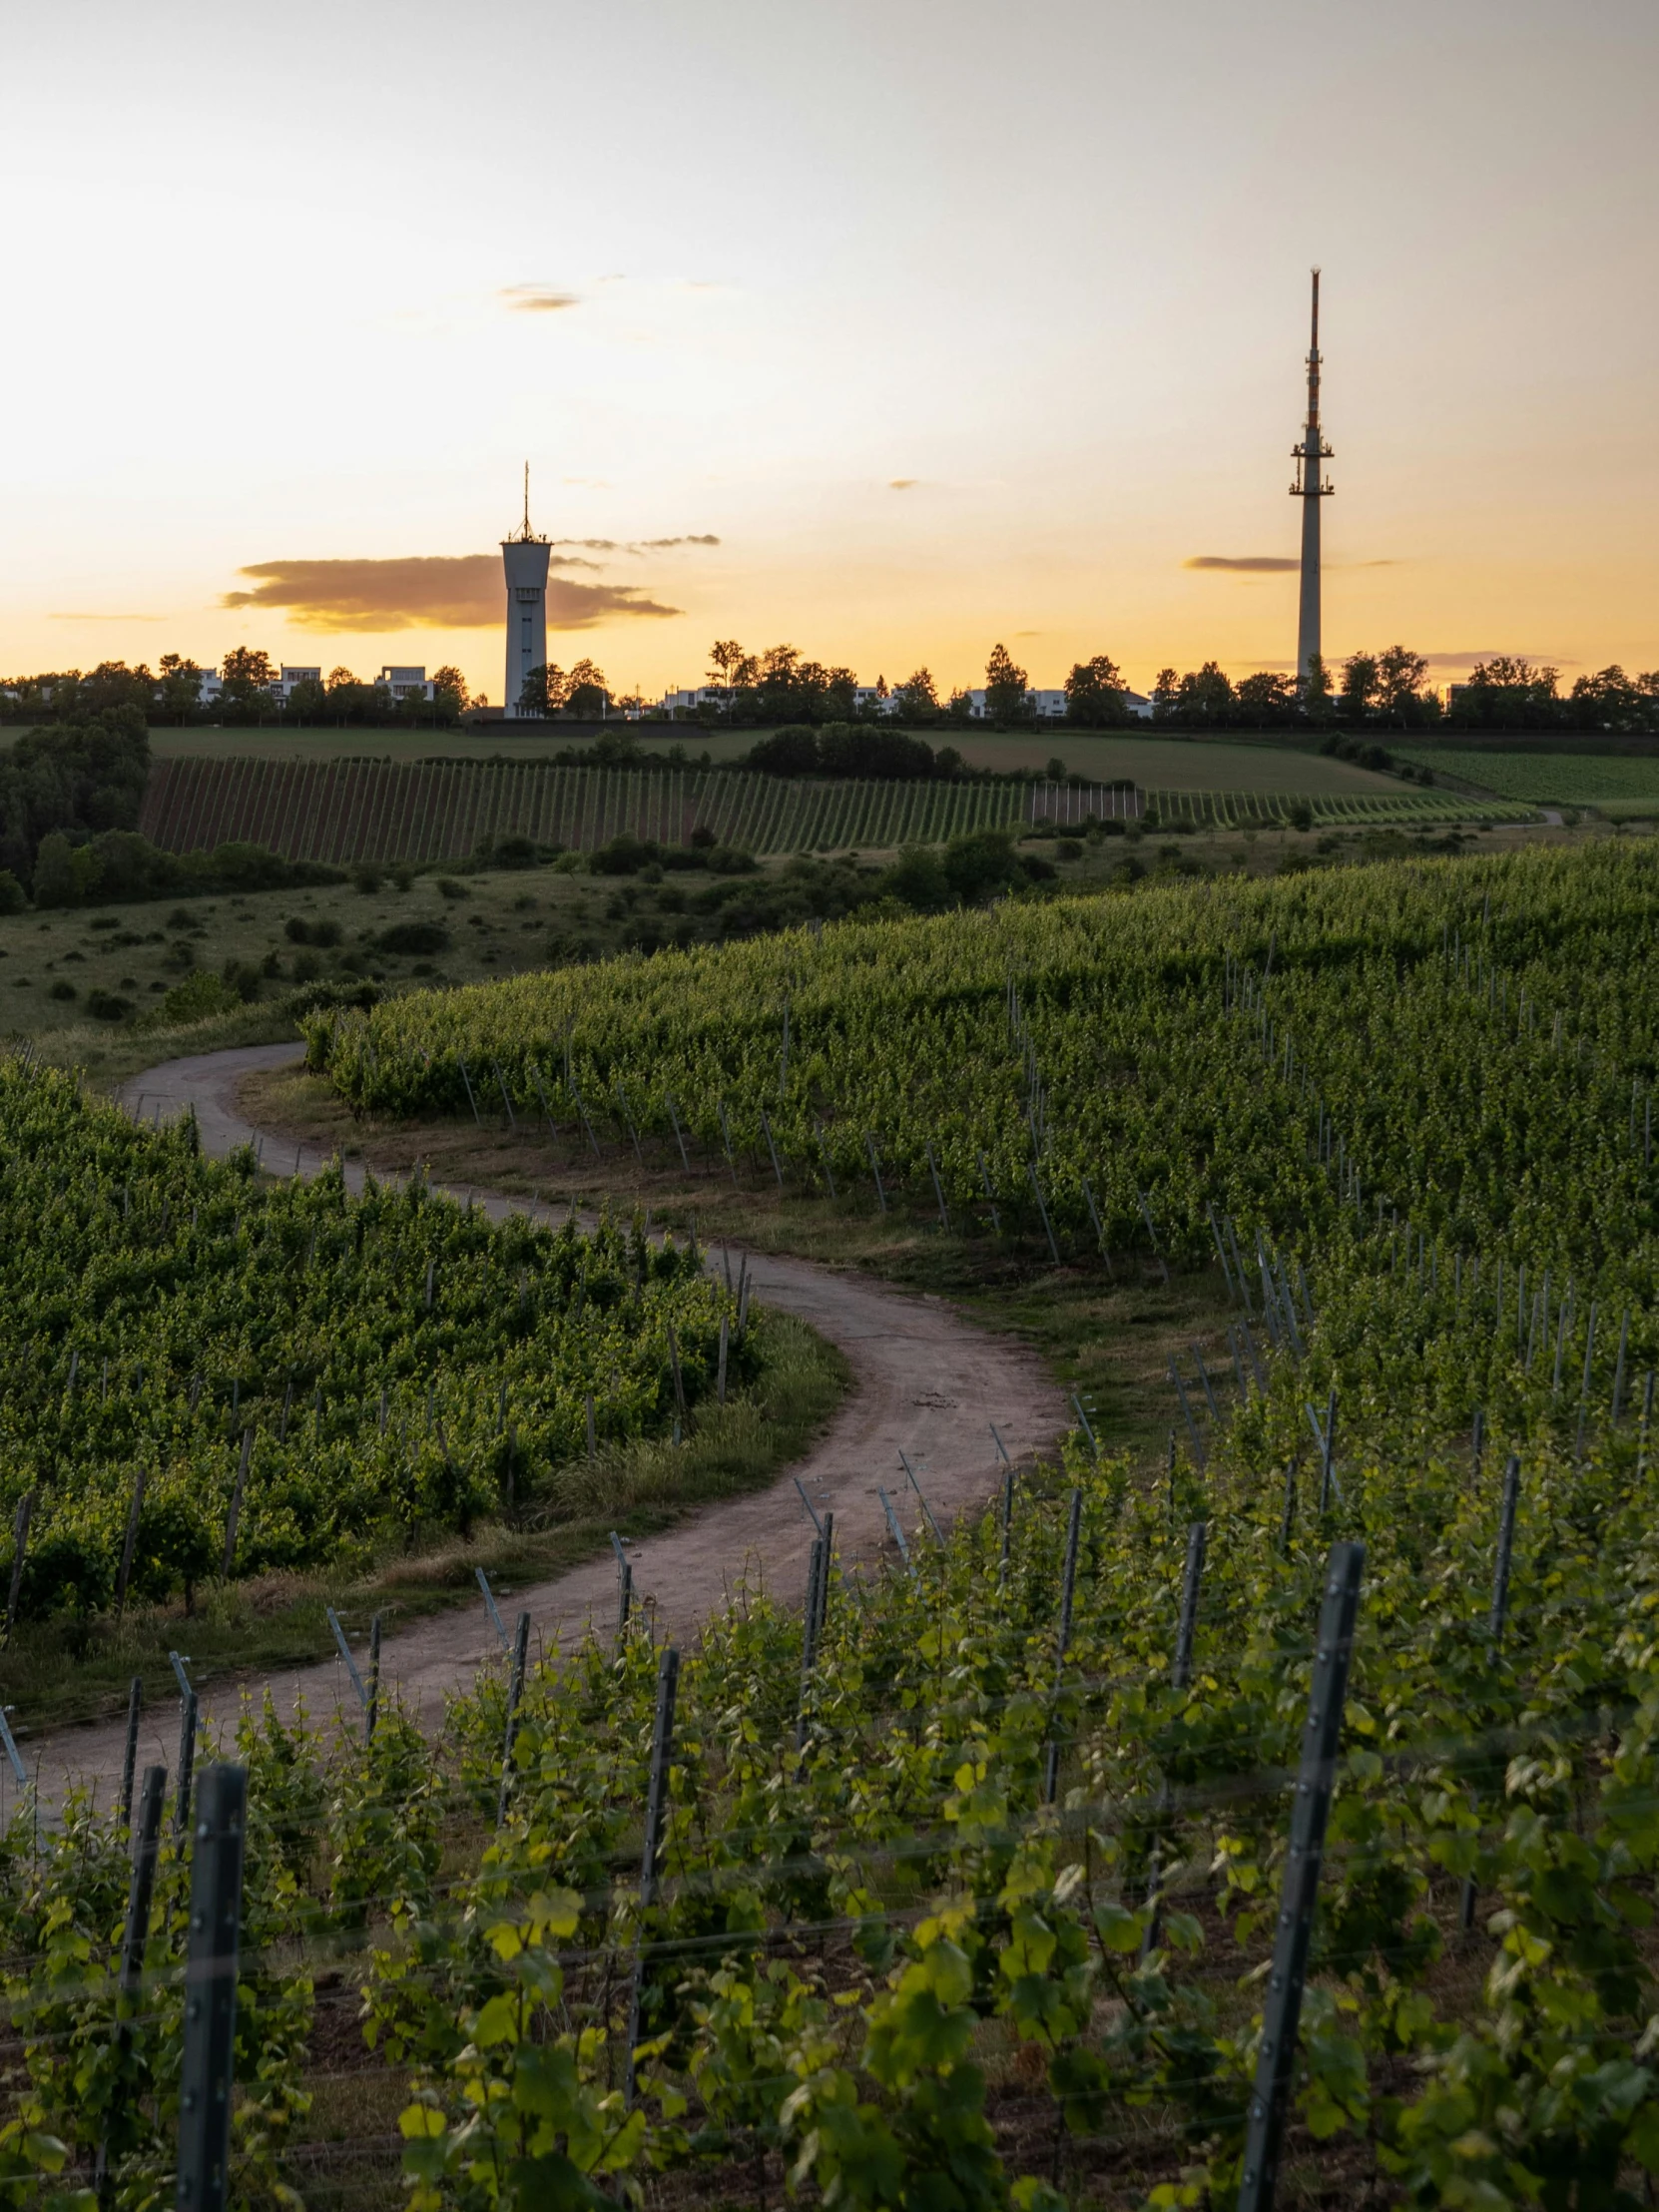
(729, 665)
(1005, 688)
(535, 692)
(450, 694)
(1204, 698)
(1401, 676)
(1507, 693)
(841, 694)
(1359, 691)
(585, 692)
(113, 683)
(1166, 685)
(180, 688)
(1094, 693)
(1610, 700)
(246, 679)
(916, 698)
(1266, 699)
(308, 701)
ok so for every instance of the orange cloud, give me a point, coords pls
(537, 298)
(1249, 563)
(423, 592)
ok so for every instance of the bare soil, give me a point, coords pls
(926, 1381)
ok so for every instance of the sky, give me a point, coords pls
(886, 328)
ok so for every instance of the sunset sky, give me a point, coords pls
(886, 327)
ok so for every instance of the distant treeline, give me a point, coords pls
(784, 690)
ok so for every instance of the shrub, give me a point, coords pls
(241, 977)
(196, 999)
(415, 937)
(788, 751)
(367, 876)
(299, 930)
(61, 990)
(450, 888)
(12, 899)
(975, 866)
(919, 880)
(108, 1005)
(852, 748)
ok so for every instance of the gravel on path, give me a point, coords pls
(925, 1381)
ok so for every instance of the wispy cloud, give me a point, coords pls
(436, 592)
(1271, 564)
(537, 298)
(636, 545)
(1496, 653)
(74, 615)
(1250, 564)
(903, 483)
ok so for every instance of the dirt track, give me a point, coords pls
(924, 1381)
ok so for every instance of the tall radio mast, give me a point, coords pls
(1310, 489)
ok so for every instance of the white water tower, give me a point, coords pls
(524, 561)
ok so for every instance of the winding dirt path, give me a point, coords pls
(925, 1381)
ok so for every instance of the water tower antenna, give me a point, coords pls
(1311, 488)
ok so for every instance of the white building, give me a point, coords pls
(1048, 706)
(403, 683)
(284, 685)
(688, 701)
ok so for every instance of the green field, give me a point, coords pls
(1567, 778)
(346, 811)
(1176, 764)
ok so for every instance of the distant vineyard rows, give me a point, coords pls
(346, 811)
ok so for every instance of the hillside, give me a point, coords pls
(346, 810)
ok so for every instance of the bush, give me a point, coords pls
(61, 990)
(975, 867)
(367, 876)
(510, 852)
(624, 855)
(415, 937)
(299, 930)
(852, 748)
(919, 880)
(788, 752)
(450, 888)
(12, 898)
(197, 998)
(108, 1007)
(241, 977)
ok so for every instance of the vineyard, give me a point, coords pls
(956, 1886)
(209, 1374)
(377, 810)
(1569, 779)
(1432, 1080)
(1280, 1819)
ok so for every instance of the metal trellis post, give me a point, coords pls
(515, 1692)
(656, 1805)
(1068, 1589)
(211, 1992)
(1315, 1783)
